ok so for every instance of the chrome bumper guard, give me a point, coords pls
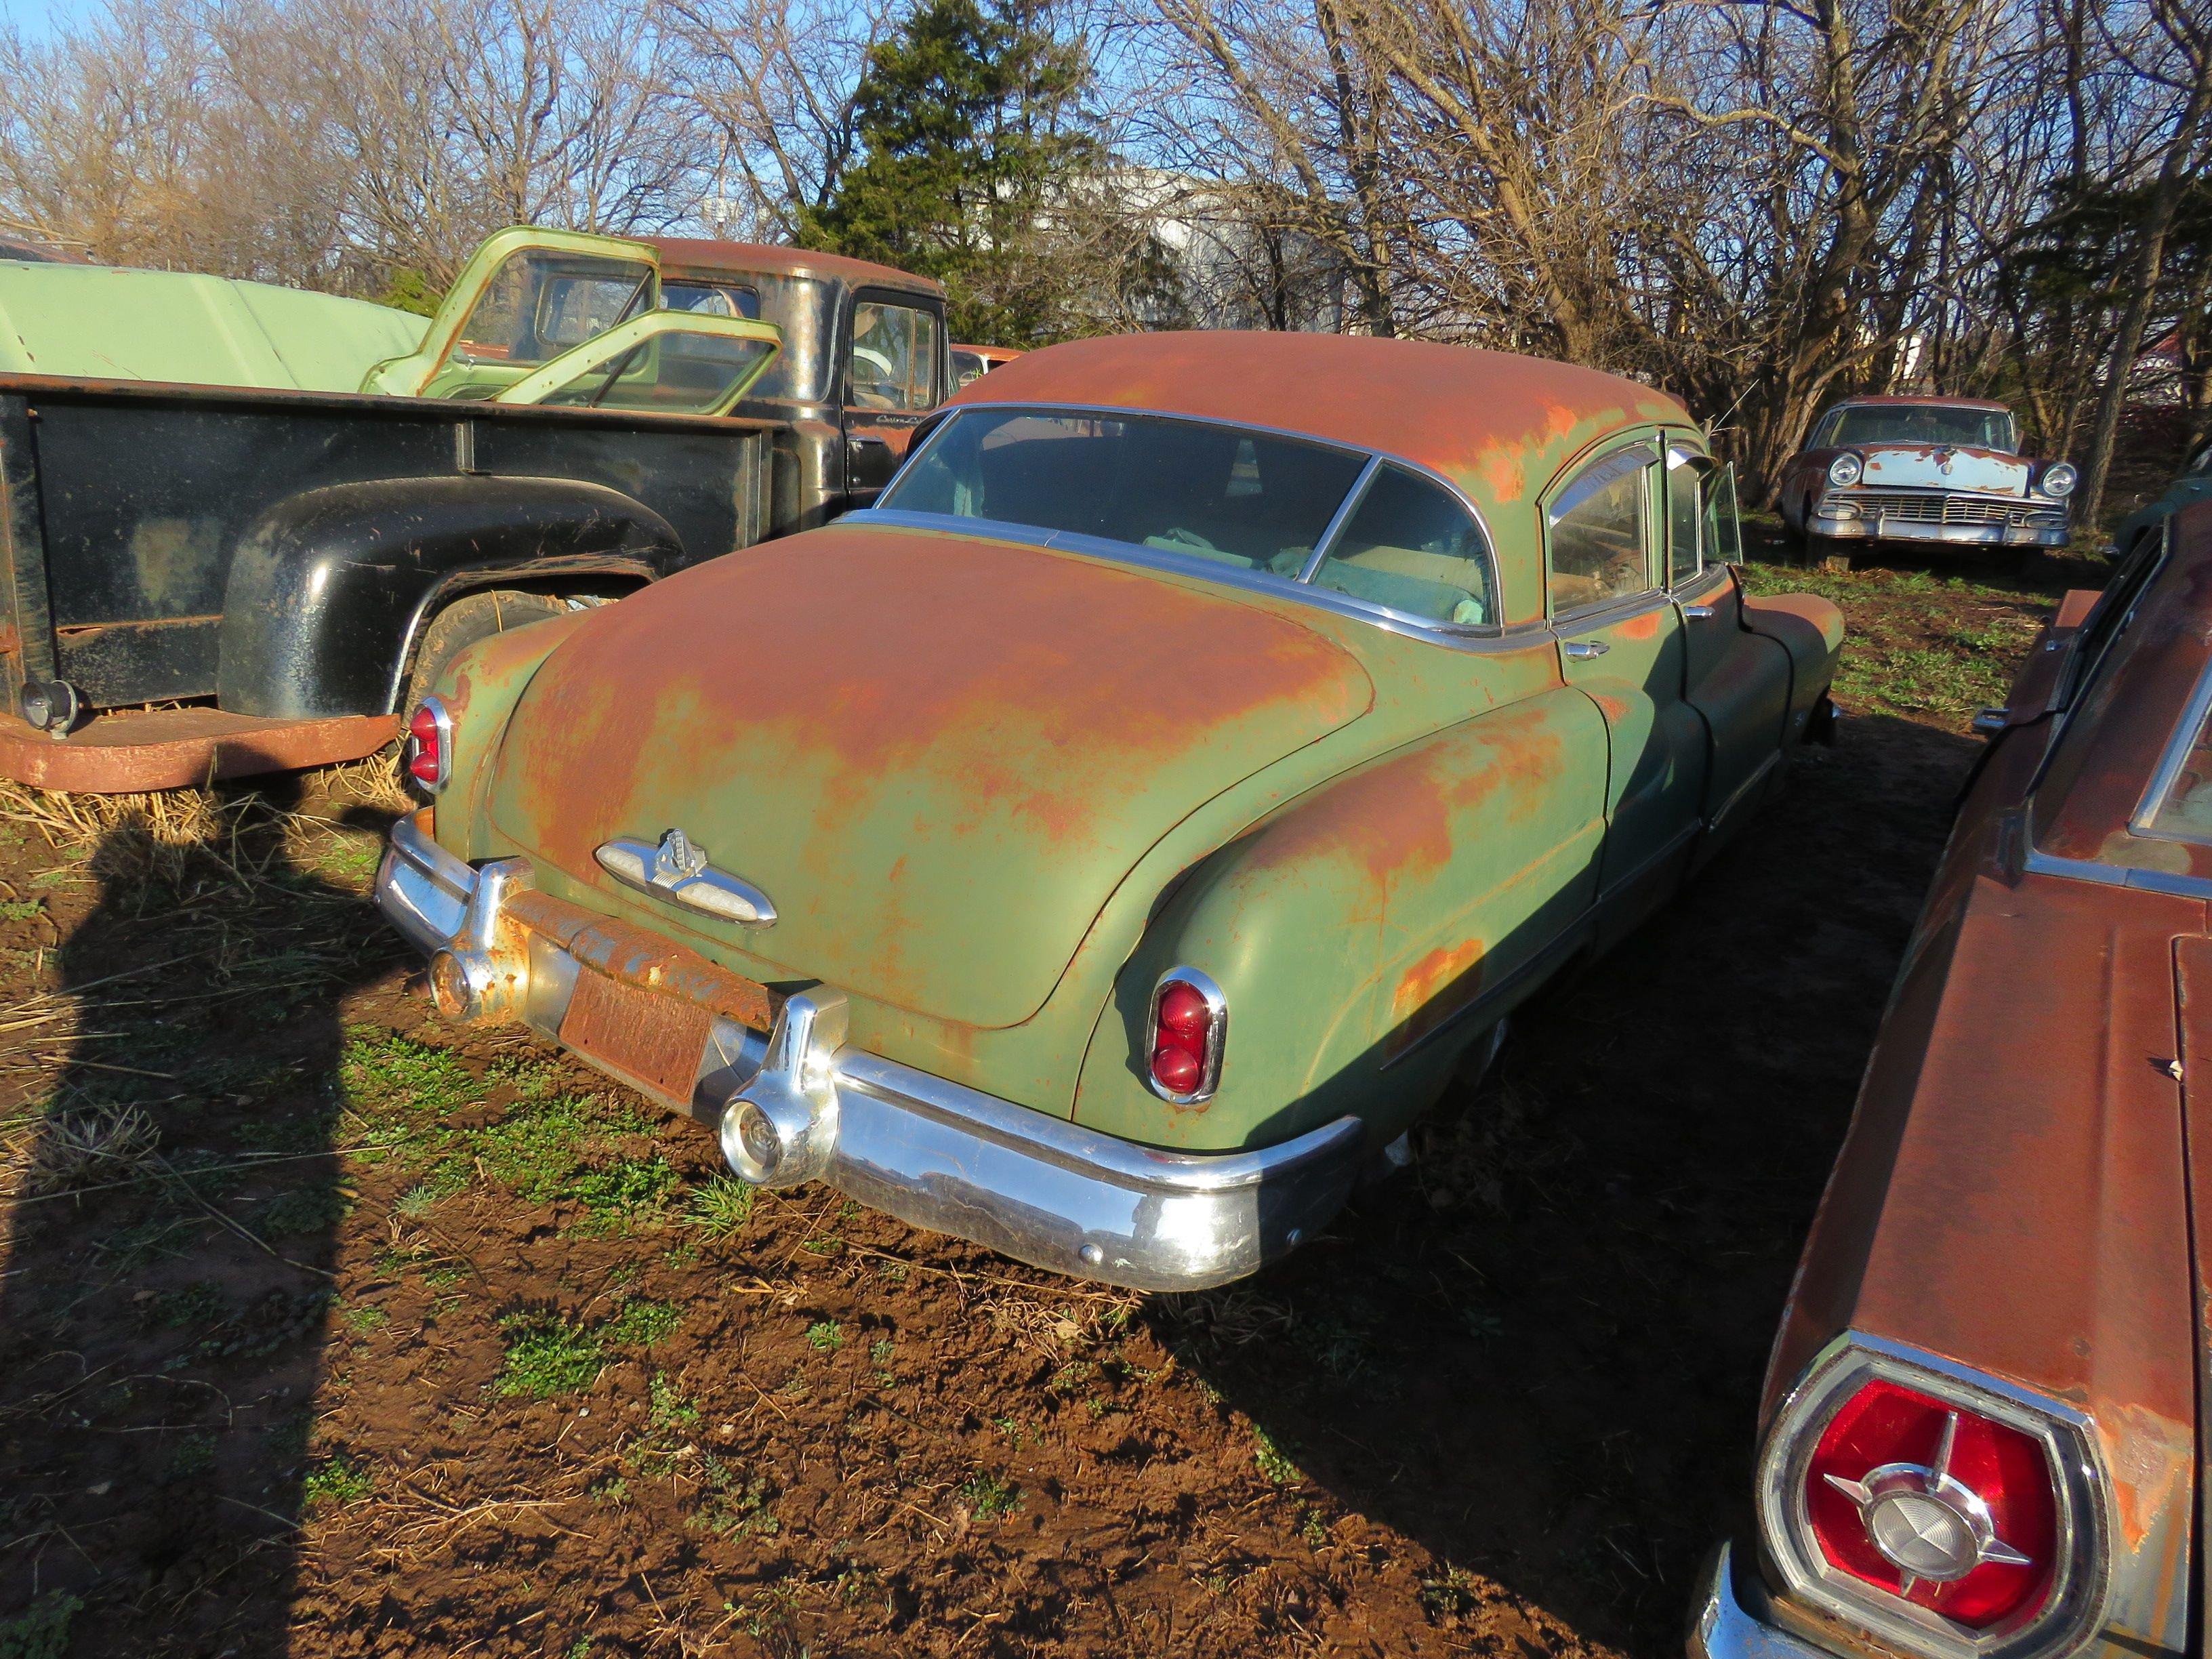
(1724, 1627)
(1919, 530)
(799, 1104)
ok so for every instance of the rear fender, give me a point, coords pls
(1811, 629)
(1354, 932)
(328, 588)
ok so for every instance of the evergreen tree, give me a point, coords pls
(972, 133)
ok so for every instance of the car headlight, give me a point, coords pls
(1949, 1511)
(1845, 469)
(2059, 479)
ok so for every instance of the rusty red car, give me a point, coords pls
(1936, 471)
(1981, 1433)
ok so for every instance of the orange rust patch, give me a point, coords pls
(1645, 627)
(1433, 989)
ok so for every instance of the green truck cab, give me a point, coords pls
(1104, 847)
(241, 527)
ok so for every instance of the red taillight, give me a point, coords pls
(1189, 1020)
(427, 733)
(1933, 1502)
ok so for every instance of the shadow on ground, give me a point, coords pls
(168, 1265)
(1539, 1354)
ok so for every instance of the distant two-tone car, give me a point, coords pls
(1983, 1435)
(970, 363)
(1105, 845)
(1937, 470)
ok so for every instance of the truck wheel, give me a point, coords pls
(460, 625)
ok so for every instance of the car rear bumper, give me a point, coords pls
(932, 1152)
(1726, 1627)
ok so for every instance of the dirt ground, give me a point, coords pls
(324, 1331)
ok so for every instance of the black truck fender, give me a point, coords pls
(328, 589)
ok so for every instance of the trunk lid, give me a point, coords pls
(1943, 466)
(937, 755)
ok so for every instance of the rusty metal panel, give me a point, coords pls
(27, 625)
(650, 1039)
(636, 957)
(138, 750)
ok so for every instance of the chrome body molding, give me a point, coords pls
(932, 1152)
(677, 869)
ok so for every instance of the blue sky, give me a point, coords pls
(36, 18)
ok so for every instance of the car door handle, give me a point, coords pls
(1699, 612)
(871, 438)
(1580, 649)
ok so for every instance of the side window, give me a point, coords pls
(1723, 533)
(711, 298)
(1687, 511)
(1597, 539)
(894, 361)
(1411, 546)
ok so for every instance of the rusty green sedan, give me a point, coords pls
(1103, 847)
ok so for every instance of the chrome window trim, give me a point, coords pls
(1606, 612)
(1486, 636)
(1679, 454)
(2081, 1578)
(1708, 578)
(1594, 475)
(1326, 542)
(1109, 411)
(2169, 763)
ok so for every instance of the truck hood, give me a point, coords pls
(937, 755)
(1943, 466)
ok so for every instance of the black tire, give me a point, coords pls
(460, 625)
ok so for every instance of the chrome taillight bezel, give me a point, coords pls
(444, 723)
(1216, 1035)
(2081, 1575)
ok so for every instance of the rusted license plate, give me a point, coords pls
(646, 1039)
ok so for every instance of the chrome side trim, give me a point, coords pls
(1352, 497)
(1758, 776)
(933, 1152)
(2116, 875)
(2081, 1578)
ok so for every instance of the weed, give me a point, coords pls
(611, 1490)
(338, 1479)
(1273, 1465)
(669, 1409)
(986, 1496)
(22, 909)
(364, 1319)
(721, 1207)
(382, 1074)
(1314, 1528)
(88, 1148)
(41, 1631)
(197, 1304)
(302, 1210)
(642, 1324)
(1017, 1435)
(547, 1355)
(731, 1508)
(822, 1245)
(194, 1455)
(425, 1194)
(1071, 1377)
(1449, 1593)
(880, 1351)
(826, 1335)
(617, 1195)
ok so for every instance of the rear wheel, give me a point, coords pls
(460, 625)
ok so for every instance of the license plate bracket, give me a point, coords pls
(648, 1038)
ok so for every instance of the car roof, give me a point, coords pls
(698, 255)
(1909, 400)
(1496, 425)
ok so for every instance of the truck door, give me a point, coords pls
(1621, 643)
(1738, 681)
(895, 371)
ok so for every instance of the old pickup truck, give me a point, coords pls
(241, 526)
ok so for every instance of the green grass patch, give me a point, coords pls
(338, 1479)
(619, 1195)
(721, 1207)
(826, 1335)
(303, 1210)
(382, 1073)
(41, 1631)
(547, 1355)
(988, 1496)
(1273, 1465)
(669, 1411)
(643, 1324)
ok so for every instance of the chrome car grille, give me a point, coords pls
(1936, 506)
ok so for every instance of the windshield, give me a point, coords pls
(1923, 423)
(1245, 499)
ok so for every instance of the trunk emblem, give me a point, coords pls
(677, 869)
(1928, 1523)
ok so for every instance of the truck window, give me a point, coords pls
(539, 304)
(894, 358)
(712, 299)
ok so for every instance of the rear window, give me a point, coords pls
(1250, 500)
